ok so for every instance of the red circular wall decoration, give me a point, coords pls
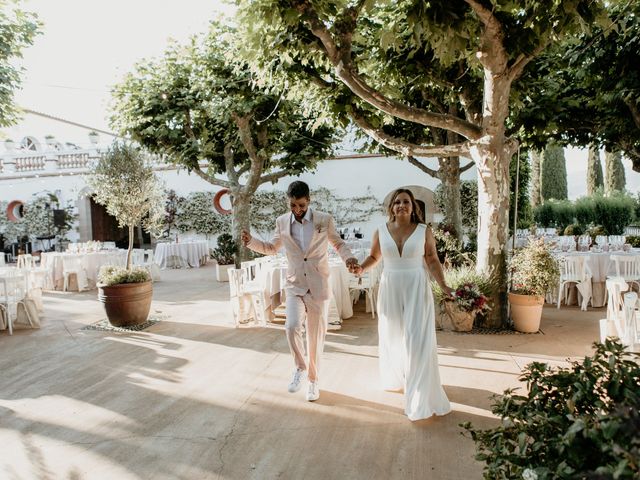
(14, 210)
(216, 201)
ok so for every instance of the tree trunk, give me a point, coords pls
(493, 221)
(241, 206)
(450, 178)
(130, 250)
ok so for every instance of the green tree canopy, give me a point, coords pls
(587, 89)
(18, 29)
(198, 104)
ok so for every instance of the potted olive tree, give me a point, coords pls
(224, 255)
(125, 183)
(534, 272)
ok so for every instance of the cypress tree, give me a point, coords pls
(553, 173)
(535, 158)
(594, 171)
(615, 179)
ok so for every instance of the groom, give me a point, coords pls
(305, 234)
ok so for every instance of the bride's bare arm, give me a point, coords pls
(375, 255)
(432, 260)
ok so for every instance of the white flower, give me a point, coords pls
(529, 474)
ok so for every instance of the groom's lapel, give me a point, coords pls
(286, 230)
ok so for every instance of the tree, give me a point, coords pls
(615, 178)
(586, 91)
(553, 173)
(124, 182)
(470, 52)
(523, 175)
(197, 105)
(535, 158)
(17, 31)
(594, 171)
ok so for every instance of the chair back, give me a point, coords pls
(573, 268)
(71, 263)
(615, 287)
(149, 258)
(137, 256)
(2, 259)
(627, 266)
(631, 330)
(26, 261)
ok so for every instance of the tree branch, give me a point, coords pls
(633, 108)
(274, 176)
(347, 72)
(493, 55)
(407, 148)
(466, 167)
(212, 180)
(429, 171)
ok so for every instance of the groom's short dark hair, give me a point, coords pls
(298, 189)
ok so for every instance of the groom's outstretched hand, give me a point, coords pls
(353, 266)
(245, 237)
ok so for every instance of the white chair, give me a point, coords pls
(575, 269)
(241, 300)
(72, 265)
(137, 257)
(2, 259)
(628, 267)
(630, 334)
(368, 283)
(254, 286)
(26, 260)
(610, 326)
(11, 294)
(152, 267)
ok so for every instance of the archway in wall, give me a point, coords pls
(104, 227)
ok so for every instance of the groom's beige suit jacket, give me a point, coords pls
(307, 270)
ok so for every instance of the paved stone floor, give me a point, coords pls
(194, 398)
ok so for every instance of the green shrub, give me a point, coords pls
(573, 229)
(555, 213)
(585, 208)
(226, 250)
(634, 241)
(581, 422)
(111, 275)
(595, 231)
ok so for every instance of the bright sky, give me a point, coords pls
(88, 45)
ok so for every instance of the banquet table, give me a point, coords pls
(601, 266)
(53, 262)
(274, 281)
(177, 255)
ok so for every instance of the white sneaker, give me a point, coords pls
(296, 380)
(313, 393)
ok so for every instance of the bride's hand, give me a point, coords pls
(449, 292)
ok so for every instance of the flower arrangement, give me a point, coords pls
(469, 298)
(112, 275)
(534, 270)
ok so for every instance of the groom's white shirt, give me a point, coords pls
(302, 231)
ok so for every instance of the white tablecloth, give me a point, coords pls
(176, 255)
(338, 281)
(601, 266)
(29, 283)
(91, 262)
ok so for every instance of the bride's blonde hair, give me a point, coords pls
(416, 212)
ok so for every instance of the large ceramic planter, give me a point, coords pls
(222, 272)
(126, 304)
(526, 312)
(461, 321)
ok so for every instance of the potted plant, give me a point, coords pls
(127, 186)
(50, 140)
(9, 145)
(472, 291)
(534, 271)
(224, 255)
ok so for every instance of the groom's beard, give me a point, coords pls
(299, 217)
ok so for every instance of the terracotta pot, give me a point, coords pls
(126, 304)
(461, 321)
(222, 272)
(526, 312)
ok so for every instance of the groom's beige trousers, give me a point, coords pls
(299, 308)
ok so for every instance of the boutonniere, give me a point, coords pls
(319, 228)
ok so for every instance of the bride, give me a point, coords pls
(406, 317)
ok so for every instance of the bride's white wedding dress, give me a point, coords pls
(406, 327)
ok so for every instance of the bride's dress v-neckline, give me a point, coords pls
(404, 244)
